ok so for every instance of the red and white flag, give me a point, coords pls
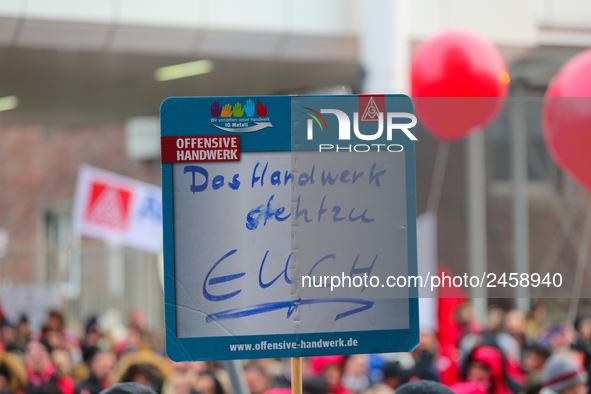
(115, 208)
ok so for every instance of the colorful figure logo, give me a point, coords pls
(238, 110)
(226, 118)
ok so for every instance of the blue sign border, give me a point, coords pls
(189, 116)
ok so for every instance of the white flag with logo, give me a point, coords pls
(115, 208)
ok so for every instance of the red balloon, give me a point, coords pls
(458, 83)
(566, 118)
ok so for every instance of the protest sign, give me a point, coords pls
(266, 207)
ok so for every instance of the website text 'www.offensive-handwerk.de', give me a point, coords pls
(286, 345)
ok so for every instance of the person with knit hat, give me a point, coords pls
(562, 375)
(128, 388)
(423, 387)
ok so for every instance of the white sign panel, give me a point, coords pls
(235, 222)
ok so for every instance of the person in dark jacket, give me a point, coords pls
(101, 365)
(209, 384)
(533, 363)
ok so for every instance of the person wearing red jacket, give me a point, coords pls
(331, 368)
(484, 373)
(42, 372)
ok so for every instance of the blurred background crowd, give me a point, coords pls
(507, 355)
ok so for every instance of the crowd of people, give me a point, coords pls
(512, 354)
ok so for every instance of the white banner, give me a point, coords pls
(114, 208)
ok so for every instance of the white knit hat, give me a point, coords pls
(562, 372)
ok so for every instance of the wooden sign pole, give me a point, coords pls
(296, 375)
